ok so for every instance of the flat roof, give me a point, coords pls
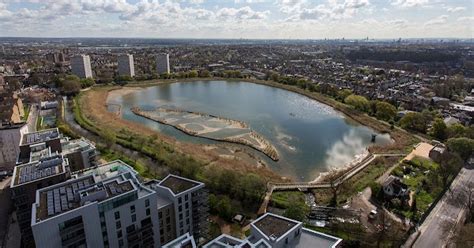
(178, 184)
(70, 146)
(310, 238)
(97, 184)
(45, 167)
(40, 136)
(274, 226)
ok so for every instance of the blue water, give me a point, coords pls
(310, 137)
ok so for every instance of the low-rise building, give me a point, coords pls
(393, 187)
(274, 231)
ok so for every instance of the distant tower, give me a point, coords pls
(126, 66)
(81, 66)
(163, 63)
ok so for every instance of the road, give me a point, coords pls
(32, 117)
(439, 225)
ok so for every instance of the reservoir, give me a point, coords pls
(310, 137)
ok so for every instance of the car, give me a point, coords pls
(372, 214)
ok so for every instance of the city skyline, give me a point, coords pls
(235, 19)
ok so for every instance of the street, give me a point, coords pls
(438, 226)
(32, 118)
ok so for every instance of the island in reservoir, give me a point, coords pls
(210, 127)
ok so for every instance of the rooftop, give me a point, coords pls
(45, 167)
(274, 226)
(99, 184)
(69, 146)
(311, 238)
(40, 136)
(178, 184)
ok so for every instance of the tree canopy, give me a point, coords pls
(358, 102)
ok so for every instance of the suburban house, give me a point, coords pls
(393, 187)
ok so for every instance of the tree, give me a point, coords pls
(109, 137)
(87, 82)
(193, 74)
(457, 130)
(358, 102)
(70, 85)
(224, 207)
(414, 121)
(296, 211)
(439, 130)
(342, 94)
(462, 146)
(204, 74)
(385, 111)
(449, 166)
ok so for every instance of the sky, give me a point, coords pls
(238, 19)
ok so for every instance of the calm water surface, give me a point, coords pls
(310, 137)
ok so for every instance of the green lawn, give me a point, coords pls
(282, 199)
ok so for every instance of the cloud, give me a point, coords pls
(466, 19)
(244, 13)
(442, 19)
(455, 9)
(334, 10)
(409, 3)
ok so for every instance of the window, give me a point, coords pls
(132, 209)
(134, 217)
(187, 221)
(117, 215)
(186, 197)
(168, 220)
(121, 242)
(147, 202)
(130, 228)
(119, 234)
(160, 215)
(186, 205)
(180, 200)
(180, 208)
(147, 211)
(180, 216)
(118, 225)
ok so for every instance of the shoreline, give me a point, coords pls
(401, 139)
(269, 150)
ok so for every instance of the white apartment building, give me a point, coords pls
(106, 206)
(109, 206)
(126, 65)
(10, 136)
(81, 66)
(163, 63)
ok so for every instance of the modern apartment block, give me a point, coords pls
(27, 179)
(35, 141)
(110, 206)
(10, 136)
(274, 231)
(81, 153)
(163, 63)
(126, 65)
(105, 206)
(81, 66)
(188, 199)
